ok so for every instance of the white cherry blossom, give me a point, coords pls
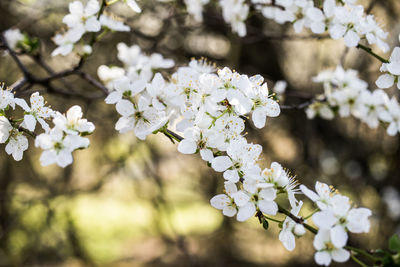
(326, 250)
(36, 112)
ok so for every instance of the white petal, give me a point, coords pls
(64, 158)
(324, 219)
(221, 163)
(321, 238)
(113, 97)
(22, 103)
(309, 193)
(288, 240)
(48, 157)
(351, 39)
(322, 258)
(259, 117)
(5, 128)
(125, 107)
(394, 68)
(241, 198)
(339, 236)
(44, 124)
(187, 146)
(392, 129)
(206, 155)
(229, 211)
(29, 122)
(92, 7)
(385, 81)
(220, 201)
(340, 255)
(246, 212)
(92, 25)
(268, 207)
(232, 176)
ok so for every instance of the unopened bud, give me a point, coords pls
(299, 230)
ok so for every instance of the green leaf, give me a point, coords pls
(394, 243)
(265, 224)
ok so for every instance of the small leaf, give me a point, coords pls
(265, 224)
(394, 243)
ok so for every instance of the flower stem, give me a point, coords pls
(369, 51)
(272, 219)
(173, 136)
(358, 261)
(362, 252)
(297, 219)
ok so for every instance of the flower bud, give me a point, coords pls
(299, 230)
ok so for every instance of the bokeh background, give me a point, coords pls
(126, 202)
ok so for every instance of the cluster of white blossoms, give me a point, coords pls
(391, 70)
(210, 107)
(137, 66)
(341, 19)
(335, 218)
(346, 94)
(58, 142)
(83, 19)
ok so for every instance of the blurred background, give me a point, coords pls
(125, 202)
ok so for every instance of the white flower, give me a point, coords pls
(326, 250)
(13, 37)
(235, 12)
(374, 33)
(82, 19)
(234, 89)
(58, 147)
(391, 115)
(228, 127)
(248, 202)
(225, 202)
(16, 145)
(65, 44)
(394, 62)
(393, 71)
(73, 123)
(160, 91)
(370, 105)
(125, 88)
(37, 112)
(196, 139)
(6, 98)
(291, 229)
(241, 160)
(277, 176)
(108, 74)
(143, 119)
(322, 197)
(263, 106)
